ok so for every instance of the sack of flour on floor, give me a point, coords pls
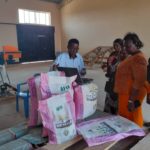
(54, 85)
(36, 95)
(112, 128)
(58, 116)
(85, 98)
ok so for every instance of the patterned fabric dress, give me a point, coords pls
(111, 100)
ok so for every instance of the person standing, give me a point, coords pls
(111, 100)
(130, 79)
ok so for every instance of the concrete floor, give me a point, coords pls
(8, 114)
(21, 72)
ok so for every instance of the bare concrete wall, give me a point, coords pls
(9, 14)
(99, 22)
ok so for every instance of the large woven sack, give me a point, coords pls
(58, 116)
(13, 133)
(85, 98)
(106, 129)
(35, 93)
(18, 144)
(54, 85)
(6, 136)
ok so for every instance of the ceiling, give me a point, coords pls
(54, 1)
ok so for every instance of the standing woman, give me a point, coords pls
(130, 78)
(111, 102)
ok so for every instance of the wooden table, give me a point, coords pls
(79, 143)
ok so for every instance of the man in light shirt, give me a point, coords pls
(71, 59)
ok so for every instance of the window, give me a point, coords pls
(34, 17)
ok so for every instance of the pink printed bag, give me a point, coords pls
(33, 117)
(35, 93)
(85, 98)
(112, 128)
(58, 116)
(54, 85)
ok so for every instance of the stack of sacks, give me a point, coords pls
(11, 134)
(35, 92)
(58, 110)
(6, 136)
(54, 94)
(17, 144)
(85, 98)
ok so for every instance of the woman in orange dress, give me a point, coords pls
(130, 80)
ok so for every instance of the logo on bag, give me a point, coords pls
(63, 124)
(59, 108)
(63, 119)
(92, 92)
(64, 88)
(66, 132)
(92, 96)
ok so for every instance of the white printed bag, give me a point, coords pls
(58, 116)
(85, 98)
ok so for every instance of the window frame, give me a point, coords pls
(37, 15)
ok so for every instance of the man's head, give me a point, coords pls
(73, 46)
